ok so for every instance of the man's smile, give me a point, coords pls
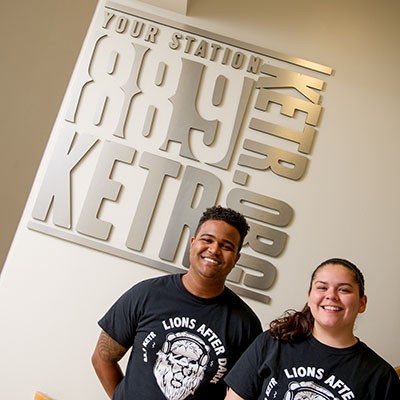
(211, 260)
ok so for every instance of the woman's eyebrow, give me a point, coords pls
(339, 284)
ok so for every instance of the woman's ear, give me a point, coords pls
(363, 304)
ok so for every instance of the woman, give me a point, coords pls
(313, 354)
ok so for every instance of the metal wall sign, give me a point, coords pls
(163, 120)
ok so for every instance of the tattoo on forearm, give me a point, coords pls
(109, 349)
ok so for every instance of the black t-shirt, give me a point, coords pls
(271, 369)
(183, 345)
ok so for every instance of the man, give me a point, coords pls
(186, 330)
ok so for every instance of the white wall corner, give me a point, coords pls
(179, 6)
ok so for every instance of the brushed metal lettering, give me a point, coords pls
(112, 62)
(223, 39)
(136, 28)
(305, 139)
(235, 275)
(254, 64)
(281, 162)
(148, 122)
(226, 56)
(241, 291)
(69, 149)
(284, 78)
(184, 213)
(265, 240)
(196, 186)
(184, 114)
(215, 50)
(219, 89)
(102, 187)
(121, 24)
(104, 247)
(151, 34)
(264, 267)
(83, 77)
(130, 88)
(175, 43)
(247, 88)
(260, 207)
(160, 73)
(159, 168)
(289, 105)
(201, 50)
(240, 177)
(237, 60)
(101, 105)
(189, 41)
(108, 16)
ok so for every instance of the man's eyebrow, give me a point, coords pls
(223, 240)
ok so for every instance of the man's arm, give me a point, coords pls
(231, 395)
(105, 362)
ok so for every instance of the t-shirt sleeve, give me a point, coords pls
(244, 378)
(120, 321)
(389, 386)
(257, 328)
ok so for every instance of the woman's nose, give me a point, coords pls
(331, 293)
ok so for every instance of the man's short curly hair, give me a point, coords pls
(227, 215)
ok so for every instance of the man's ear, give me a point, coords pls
(237, 258)
(191, 241)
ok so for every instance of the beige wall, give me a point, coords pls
(347, 205)
(40, 43)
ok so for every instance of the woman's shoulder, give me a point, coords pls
(372, 357)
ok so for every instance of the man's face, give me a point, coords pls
(215, 250)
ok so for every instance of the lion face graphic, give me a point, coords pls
(180, 365)
(307, 391)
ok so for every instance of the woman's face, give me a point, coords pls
(334, 299)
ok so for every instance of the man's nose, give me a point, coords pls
(214, 248)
